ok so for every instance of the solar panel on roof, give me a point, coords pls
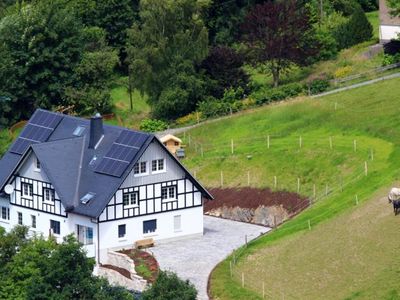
(46, 119)
(121, 153)
(112, 167)
(38, 130)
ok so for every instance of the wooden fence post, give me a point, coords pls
(366, 168)
(356, 199)
(232, 146)
(275, 181)
(355, 145)
(309, 225)
(372, 154)
(222, 179)
(300, 142)
(314, 192)
(268, 142)
(248, 178)
(298, 185)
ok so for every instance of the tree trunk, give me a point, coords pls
(275, 75)
(130, 89)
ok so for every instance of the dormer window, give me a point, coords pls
(79, 130)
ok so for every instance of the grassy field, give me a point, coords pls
(121, 101)
(367, 114)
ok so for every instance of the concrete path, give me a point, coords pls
(194, 258)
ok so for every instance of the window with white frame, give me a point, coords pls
(33, 219)
(27, 190)
(130, 198)
(158, 165)
(85, 234)
(140, 168)
(168, 193)
(48, 195)
(55, 227)
(20, 220)
(5, 213)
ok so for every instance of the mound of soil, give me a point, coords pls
(259, 206)
(121, 271)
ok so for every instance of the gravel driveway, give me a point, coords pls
(194, 258)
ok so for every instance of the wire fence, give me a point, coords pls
(259, 285)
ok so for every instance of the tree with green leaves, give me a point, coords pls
(394, 6)
(356, 30)
(163, 51)
(41, 46)
(169, 286)
(41, 268)
(91, 90)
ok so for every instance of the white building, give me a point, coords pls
(107, 185)
(389, 27)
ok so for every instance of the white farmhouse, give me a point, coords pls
(389, 27)
(107, 185)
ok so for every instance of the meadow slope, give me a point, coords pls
(294, 261)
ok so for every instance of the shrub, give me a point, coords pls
(190, 118)
(275, 94)
(392, 48)
(169, 286)
(390, 59)
(153, 125)
(358, 29)
(318, 86)
(213, 107)
(343, 72)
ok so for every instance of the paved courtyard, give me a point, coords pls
(194, 258)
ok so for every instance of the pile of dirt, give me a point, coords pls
(252, 205)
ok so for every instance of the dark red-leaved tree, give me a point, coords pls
(224, 65)
(279, 33)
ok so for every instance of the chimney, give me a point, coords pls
(96, 130)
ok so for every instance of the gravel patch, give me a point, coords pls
(194, 258)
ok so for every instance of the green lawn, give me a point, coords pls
(368, 115)
(121, 101)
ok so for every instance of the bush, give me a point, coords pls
(190, 118)
(392, 48)
(213, 107)
(153, 125)
(358, 29)
(318, 86)
(343, 72)
(169, 286)
(390, 59)
(275, 94)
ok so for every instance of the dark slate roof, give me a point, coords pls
(61, 157)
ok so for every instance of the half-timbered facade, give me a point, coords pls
(107, 185)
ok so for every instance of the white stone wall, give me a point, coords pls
(191, 224)
(387, 32)
(117, 279)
